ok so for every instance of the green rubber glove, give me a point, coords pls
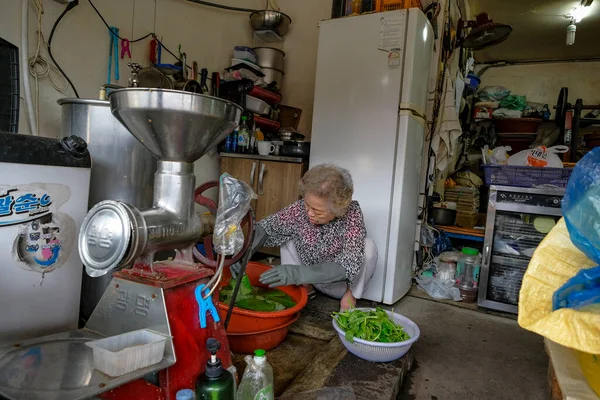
(284, 275)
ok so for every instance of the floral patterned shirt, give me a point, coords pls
(342, 240)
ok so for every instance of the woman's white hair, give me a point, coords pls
(329, 182)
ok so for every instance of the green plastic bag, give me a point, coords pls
(514, 102)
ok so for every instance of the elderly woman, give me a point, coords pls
(322, 237)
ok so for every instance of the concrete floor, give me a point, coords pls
(462, 354)
(465, 354)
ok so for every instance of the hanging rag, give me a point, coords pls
(445, 139)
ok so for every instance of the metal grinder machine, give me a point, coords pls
(177, 128)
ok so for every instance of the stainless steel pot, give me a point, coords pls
(273, 75)
(270, 20)
(270, 57)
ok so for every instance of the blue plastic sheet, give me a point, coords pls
(581, 209)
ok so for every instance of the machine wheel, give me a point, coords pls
(562, 106)
(210, 260)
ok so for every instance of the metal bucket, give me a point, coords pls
(122, 169)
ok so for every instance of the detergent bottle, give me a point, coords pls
(257, 382)
(216, 383)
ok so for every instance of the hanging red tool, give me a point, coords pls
(125, 48)
(153, 51)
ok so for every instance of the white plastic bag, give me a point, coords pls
(438, 289)
(539, 157)
(499, 155)
(234, 203)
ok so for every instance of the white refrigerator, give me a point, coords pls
(369, 117)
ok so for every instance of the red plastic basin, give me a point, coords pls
(246, 343)
(245, 321)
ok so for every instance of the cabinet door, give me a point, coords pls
(243, 169)
(277, 186)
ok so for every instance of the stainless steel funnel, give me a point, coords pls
(178, 128)
(174, 125)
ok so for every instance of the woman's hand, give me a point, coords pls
(282, 275)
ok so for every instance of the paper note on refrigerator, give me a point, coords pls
(391, 32)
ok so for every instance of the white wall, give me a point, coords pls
(206, 34)
(300, 47)
(542, 82)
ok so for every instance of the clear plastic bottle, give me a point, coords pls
(252, 143)
(467, 273)
(257, 382)
(243, 136)
(234, 141)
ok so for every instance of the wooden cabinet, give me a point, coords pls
(275, 182)
(277, 186)
(241, 168)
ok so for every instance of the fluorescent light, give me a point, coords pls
(571, 29)
(580, 13)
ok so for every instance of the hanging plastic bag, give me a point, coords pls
(564, 269)
(539, 157)
(234, 203)
(581, 208)
(581, 205)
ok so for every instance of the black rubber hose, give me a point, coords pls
(67, 9)
(243, 263)
(230, 8)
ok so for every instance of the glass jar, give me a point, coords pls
(467, 273)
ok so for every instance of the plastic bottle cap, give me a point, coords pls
(259, 353)
(244, 118)
(470, 251)
(185, 394)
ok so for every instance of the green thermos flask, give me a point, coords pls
(216, 383)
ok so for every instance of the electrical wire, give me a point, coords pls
(214, 281)
(39, 67)
(60, 17)
(272, 5)
(151, 34)
(24, 66)
(108, 27)
(223, 7)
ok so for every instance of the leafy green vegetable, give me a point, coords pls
(254, 298)
(374, 326)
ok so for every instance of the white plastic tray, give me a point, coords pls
(125, 353)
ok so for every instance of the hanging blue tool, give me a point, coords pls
(205, 306)
(113, 52)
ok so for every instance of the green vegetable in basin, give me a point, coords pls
(374, 326)
(254, 298)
